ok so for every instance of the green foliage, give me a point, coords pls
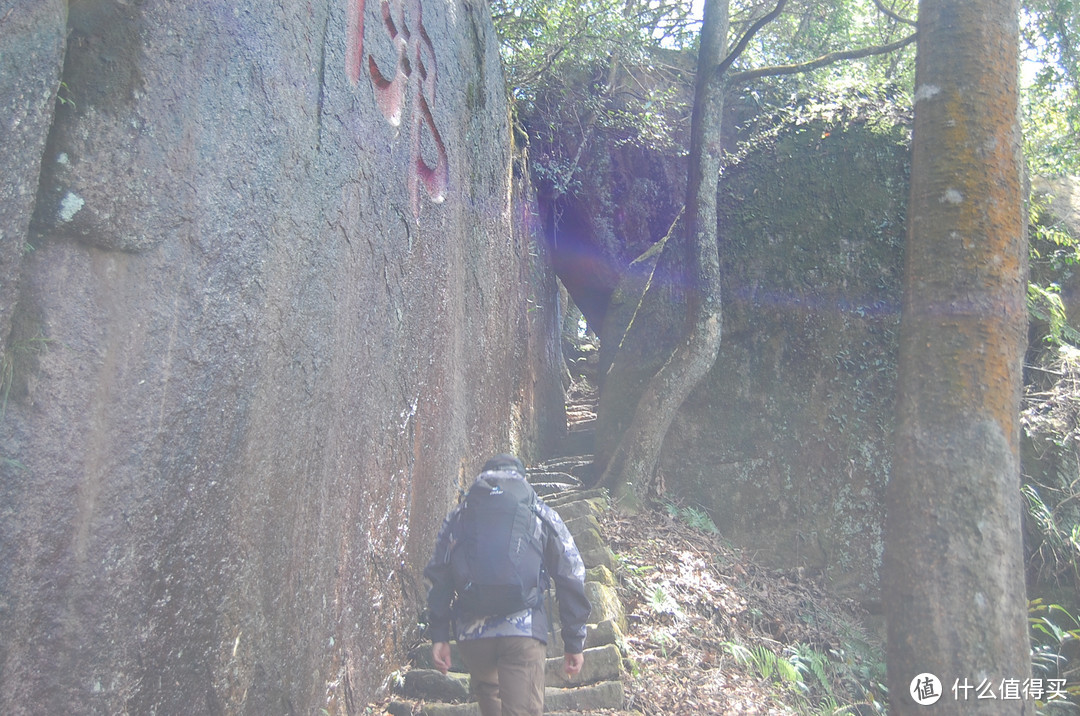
(1045, 305)
(1051, 413)
(17, 352)
(811, 28)
(63, 96)
(813, 667)
(621, 71)
(813, 676)
(663, 603)
(1051, 139)
(692, 517)
(878, 108)
(1053, 248)
(579, 70)
(1051, 422)
(1055, 653)
(1051, 94)
(765, 664)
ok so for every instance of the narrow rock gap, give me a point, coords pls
(562, 481)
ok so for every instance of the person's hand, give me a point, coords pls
(440, 654)
(572, 664)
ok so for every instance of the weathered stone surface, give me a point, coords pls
(601, 574)
(581, 523)
(787, 442)
(598, 497)
(601, 664)
(436, 709)
(599, 557)
(570, 511)
(605, 604)
(31, 58)
(604, 633)
(607, 695)
(432, 685)
(596, 635)
(554, 477)
(422, 658)
(276, 312)
(589, 540)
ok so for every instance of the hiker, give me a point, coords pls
(494, 595)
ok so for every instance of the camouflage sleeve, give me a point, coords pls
(563, 564)
(442, 587)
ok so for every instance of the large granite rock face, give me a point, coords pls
(281, 301)
(788, 442)
(31, 57)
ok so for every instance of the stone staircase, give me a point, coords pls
(598, 688)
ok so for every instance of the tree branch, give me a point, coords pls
(895, 16)
(827, 59)
(748, 35)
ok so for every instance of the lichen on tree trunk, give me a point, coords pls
(953, 578)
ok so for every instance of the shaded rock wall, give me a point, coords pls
(282, 297)
(31, 58)
(788, 443)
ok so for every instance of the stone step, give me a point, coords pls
(601, 664)
(576, 503)
(605, 695)
(602, 696)
(595, 493)
(578, 440)
(421, 658)
(437, 710)
(432, 685)
(597, 687)
(553, 476)
(569, 464)
(602, 633)
(580, 522)
(596, 635)
(548, 490)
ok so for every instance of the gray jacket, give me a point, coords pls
(562, 563)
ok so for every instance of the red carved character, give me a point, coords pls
(413, 75)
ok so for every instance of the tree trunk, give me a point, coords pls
(953, 573)
(631, 470)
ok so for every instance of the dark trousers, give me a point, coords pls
(507, 674)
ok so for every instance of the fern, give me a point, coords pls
(812, 663)
(764, 663)
(1054, 631)
(698, 519)
(1045, 304)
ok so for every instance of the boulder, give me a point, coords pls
(601, 664)
(606, 695)
(432, 685)
(277, 301)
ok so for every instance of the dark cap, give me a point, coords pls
(504, 461)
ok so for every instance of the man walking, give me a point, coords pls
(494, 556)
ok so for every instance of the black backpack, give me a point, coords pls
(496, 560)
